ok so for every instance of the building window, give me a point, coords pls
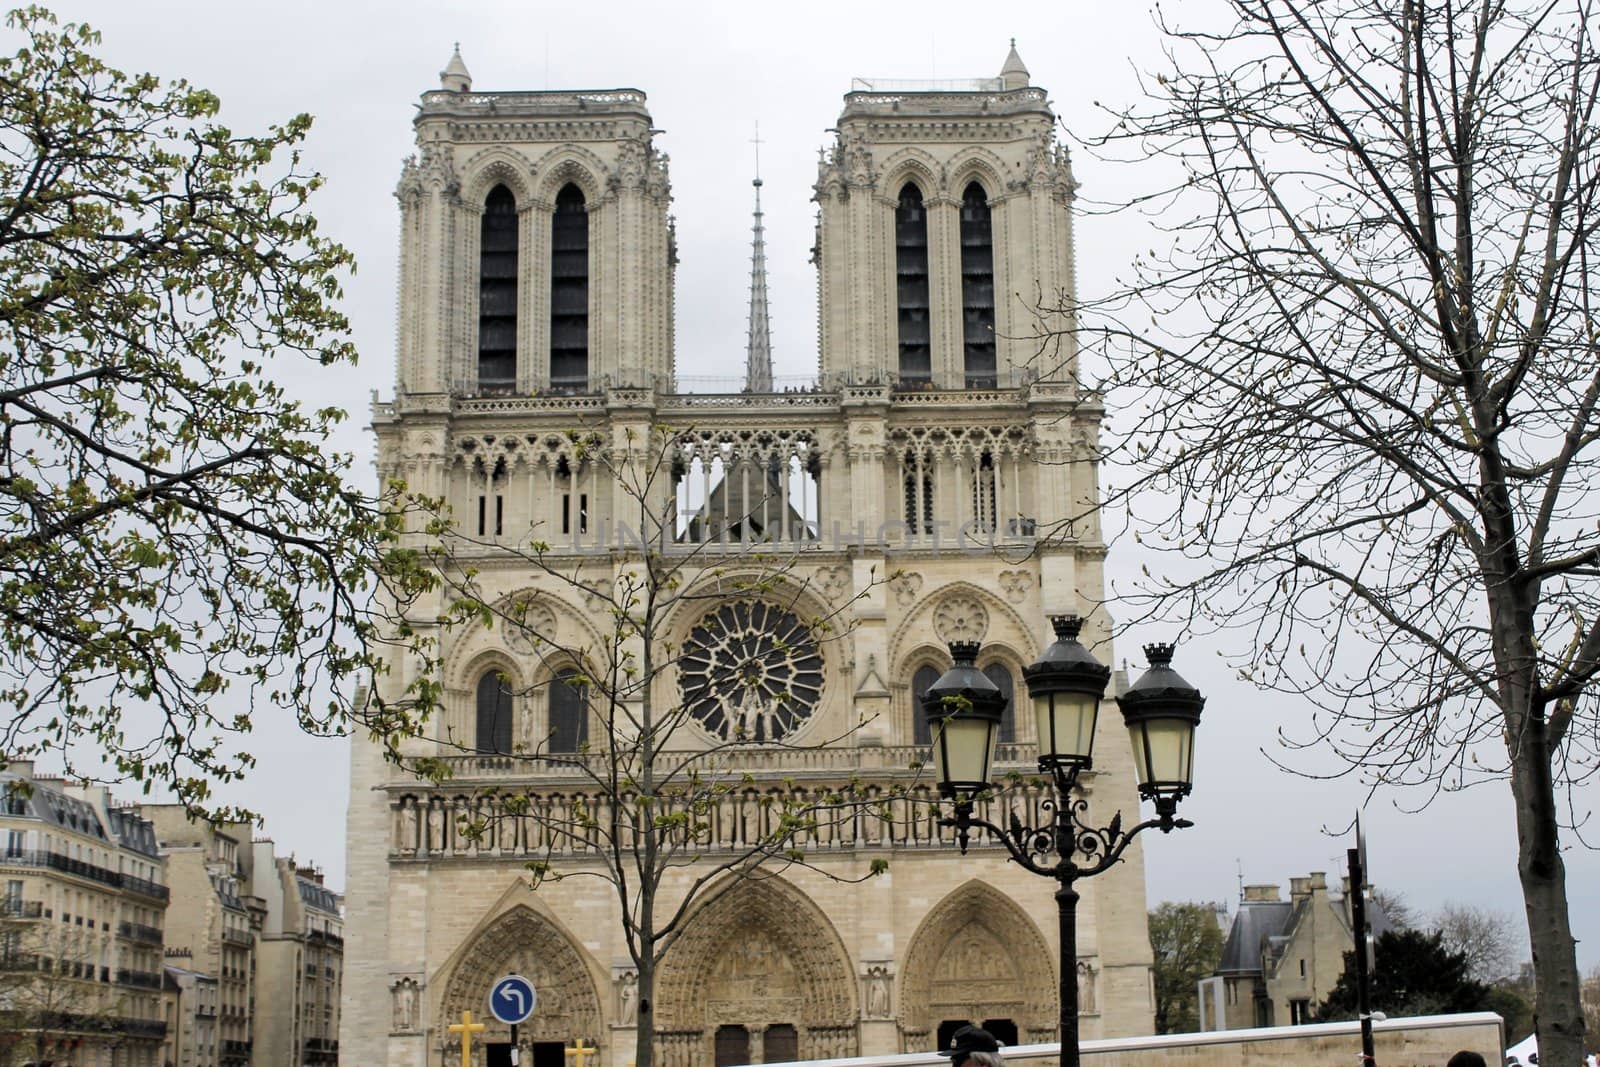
(569, 713)
(921, 682)
(1000, 675)
(1299, 1012)
(497, 292)
(983, 494)
(918, 493)
(911, 281)
(977, 288)
(494, 713)
(569, 293)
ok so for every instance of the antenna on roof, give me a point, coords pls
(1239, 867)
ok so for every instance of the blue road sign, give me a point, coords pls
(512, 998)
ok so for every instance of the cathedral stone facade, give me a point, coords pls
(910, 488)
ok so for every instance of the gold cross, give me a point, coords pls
(581, 1052)
(466, 1028)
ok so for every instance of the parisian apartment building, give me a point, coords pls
(133, 937)
(81, 926)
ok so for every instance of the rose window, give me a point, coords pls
(750, 671)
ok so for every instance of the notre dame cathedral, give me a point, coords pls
(911, 485)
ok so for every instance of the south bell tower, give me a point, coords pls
(929, 487)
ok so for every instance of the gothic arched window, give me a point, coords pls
(494, 713)
(569, 292)
(569, 713)
(921, 682)
(1000, 675)
(497, 292)
(911, 281)
(977, 288)
(983, 494)
(919, 493)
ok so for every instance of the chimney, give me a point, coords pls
(1299, 889)
(1260, 894)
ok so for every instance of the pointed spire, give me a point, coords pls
(1014, 75)
(758, 352)
(454, 77)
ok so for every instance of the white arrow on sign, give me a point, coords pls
(512, 999)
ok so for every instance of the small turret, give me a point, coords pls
(1014, 75)
(456, 79)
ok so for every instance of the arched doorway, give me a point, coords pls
(521, 941)
(760, 975)
(977, 958)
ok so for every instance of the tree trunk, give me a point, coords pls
(1557, 1012)
(644, 1043)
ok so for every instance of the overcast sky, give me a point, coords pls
(711, 71)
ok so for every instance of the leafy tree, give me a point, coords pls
(645, 798)
(1414, 974)
(1362, 394)
(171, 523)
(1187, 942)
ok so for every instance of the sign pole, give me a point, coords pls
(1357, 859)
(516, 1050)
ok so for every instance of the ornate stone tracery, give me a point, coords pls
(520, 941)
(960, 618)
(751, 671)
(762, 955)
(977, 956)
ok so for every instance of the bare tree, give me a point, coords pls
(1395, 907)
(644, 794)
(49, 999)
(1487, 939)
(1361, 382)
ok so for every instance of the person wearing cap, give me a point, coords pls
(973, 1046)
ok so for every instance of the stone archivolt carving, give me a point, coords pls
(522, 942)
(960, 618)
(977, 955)
(763, 953)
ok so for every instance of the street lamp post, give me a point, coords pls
(1066, 684)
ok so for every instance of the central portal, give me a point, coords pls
(544, 1054)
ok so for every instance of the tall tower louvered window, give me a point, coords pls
(494, 713)
(911, 278)
(569, 293)
(977, 288)
(497, 292)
